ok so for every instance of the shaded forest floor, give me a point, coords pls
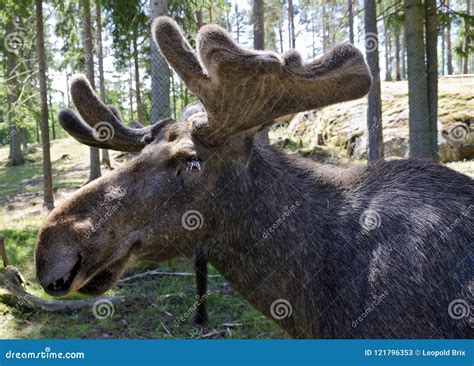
(152, 303)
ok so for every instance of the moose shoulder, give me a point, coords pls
(372, 252)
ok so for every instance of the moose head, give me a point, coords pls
(173, 194)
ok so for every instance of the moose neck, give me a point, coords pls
(274, 236)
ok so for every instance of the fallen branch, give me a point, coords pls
(13, 293)
(231, 325)
(212, 334)
(3, 252)
(167, 330)
(159, 273)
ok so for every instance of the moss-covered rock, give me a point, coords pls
(344, 125)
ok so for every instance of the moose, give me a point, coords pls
(200, 316)
(376, 251)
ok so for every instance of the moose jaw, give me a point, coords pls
(322, 260)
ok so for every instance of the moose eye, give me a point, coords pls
(189, 165)
(193, 164)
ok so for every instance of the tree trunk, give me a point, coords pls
(199, 21)
(398, 74)
(388, 71)
(431, 29)
(100, 55)
(374, 110)
(160, 72)
(14, 133)
(130, 89)
(94, 171)
(449, 54)
(259, 42)
(404, 55)
(472, 53)
(237, 22)
(47, 172)
(24, 140)
(443, 49)
(209, 12)
(280, 33)
(227, 19)
(51, 115)
(419, 123)
(37, 132)
(258, 25)
(67, 87)
(351, 21)
(173, 96)
(291, 24)
(138, 96)
(324, 25)
(467, 39)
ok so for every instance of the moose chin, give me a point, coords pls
(364, 252)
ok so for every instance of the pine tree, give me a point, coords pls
(47, 172)
(94, 171)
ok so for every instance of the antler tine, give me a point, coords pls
(248, 88)
(102, 126)
(178, 52)
(221, 56)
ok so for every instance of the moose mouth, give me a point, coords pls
(61, 286)
(99, 283)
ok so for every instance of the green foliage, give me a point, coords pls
(68, 29)
(19, 86)
(126, 19)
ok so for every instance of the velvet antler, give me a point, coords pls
(242, 89)
(102, 125)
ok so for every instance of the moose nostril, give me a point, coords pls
(57, 285)
(62, 285)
